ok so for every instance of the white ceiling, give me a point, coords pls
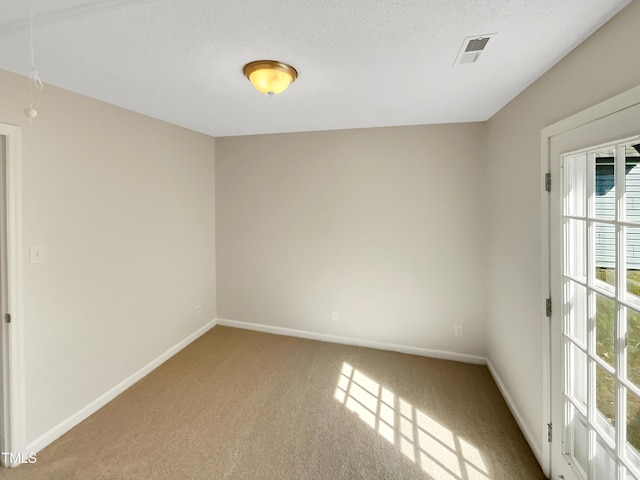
(362, 63)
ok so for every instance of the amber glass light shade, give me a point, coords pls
(270, 77)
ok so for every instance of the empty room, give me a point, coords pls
(319, 240)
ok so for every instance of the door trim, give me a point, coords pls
(608, 107)
(13, 435)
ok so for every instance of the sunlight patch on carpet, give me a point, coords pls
(424, 441)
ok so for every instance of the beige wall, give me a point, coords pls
(383, 225)
(125, 207)
(390, 227)
(600, 68)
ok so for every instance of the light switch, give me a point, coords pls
(36, 254)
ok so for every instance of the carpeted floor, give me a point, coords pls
(238, 404)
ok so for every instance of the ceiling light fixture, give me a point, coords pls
(270, 77)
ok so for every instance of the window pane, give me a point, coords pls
(633, 421)
(634, 459)
(605, 465)
(632, 182)
(577, 438)
(576, 252)
(578, 375)
(633, 260)
(606, 253)
(605, 198)
(576, 305)
(605, 321)
(633, 346)
(575, 171)
(606, 395)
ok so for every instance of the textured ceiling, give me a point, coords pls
(362, 63)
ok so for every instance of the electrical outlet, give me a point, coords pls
(334, 316)
(36, 254)
(458, 331)
(198, 310)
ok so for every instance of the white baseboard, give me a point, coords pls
(66, 425)
(532, 440)
(323, 337)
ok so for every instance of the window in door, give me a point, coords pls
(601, 305)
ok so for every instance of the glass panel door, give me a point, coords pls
(599, 338)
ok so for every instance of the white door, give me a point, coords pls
(4, 308)
(595, 287)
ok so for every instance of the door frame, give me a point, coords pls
(608, 107)
(13, 432)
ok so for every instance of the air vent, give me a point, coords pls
(472, 48)
(477, 44)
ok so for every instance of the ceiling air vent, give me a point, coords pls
(472, 48)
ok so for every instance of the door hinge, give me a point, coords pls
(548, 307)
(7, 317)
(547, 182)
(549, 432)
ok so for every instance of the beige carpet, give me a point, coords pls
(238, 404)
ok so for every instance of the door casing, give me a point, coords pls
(601, 110)
(13, 431)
